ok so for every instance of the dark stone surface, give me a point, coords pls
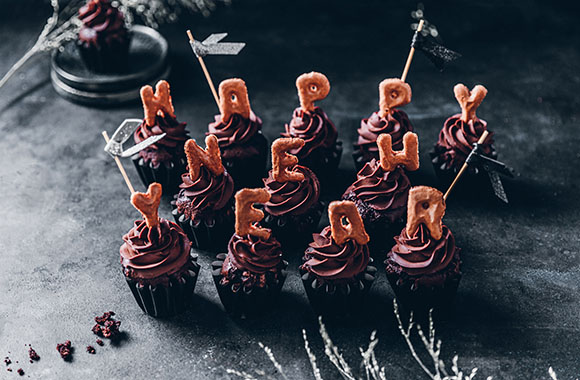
(65, 207)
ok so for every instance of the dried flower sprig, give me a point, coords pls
(370, 365)
(63, 25)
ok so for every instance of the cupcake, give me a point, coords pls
(157, 260)
(457, 137)
(335, 272)
(424, 267)
(103, 39)
(294, 208)
(239, 132)
(204, 205)
(164, 161)
(250, 276)
(382, 187)
(321, 151)
(392, 93)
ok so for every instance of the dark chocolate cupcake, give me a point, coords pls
(456, 140)
(164, 161)
(250, 276)
(239, 132)
(294, 209)
(321, 151)
(336, 273)
(103, 39)
(423, 267)
(204, 206)
(382, 187)
(395, 122)
(157, 260)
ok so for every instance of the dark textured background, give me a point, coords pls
(65, 207)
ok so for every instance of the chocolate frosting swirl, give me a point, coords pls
(292, 198)
(330, 261)
(253, 254)
(102, 23)
(456, 140)
(315, 128)
(207, 193)
(169, 147)
(420, 254)
(235, 131)
(385, 192)
(151, 253)
(396, 123)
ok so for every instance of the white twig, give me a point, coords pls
(311, 357)
(272, 358)
(333, 353)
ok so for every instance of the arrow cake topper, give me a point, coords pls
(148, 204)
(424, 40)
(213, 46)
(338, 213)
(123, 133)
(247, 216)
(283, 162)
(426, 205)
(408, 157)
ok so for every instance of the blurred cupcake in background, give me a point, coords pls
(103, 39)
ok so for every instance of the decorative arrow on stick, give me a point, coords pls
(213, 46)
(123, 133)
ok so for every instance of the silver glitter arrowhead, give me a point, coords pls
(213, 46)
(497, 186)
(123, 133)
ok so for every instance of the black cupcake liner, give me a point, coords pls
(166, 300)
(208, 234)
(420, 299)
(342, 300)
(324, 161)
(242, 303)
(168, 174)
(107, 58)
(294, 230)
(248, 171)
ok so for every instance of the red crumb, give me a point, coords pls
(33, 355)
(20, 371)
(91, 350)
(100, 342)
(106, 326)
(65, 350)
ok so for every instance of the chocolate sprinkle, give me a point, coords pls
(65, 350)
(91, 350)
(106, 326)
(20, 371)
(33, 355)
(7, 360)
(100, 342)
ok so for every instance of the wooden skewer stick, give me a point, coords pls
(120, 165)
(204, 68)
(411, 53)
(480, 141)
